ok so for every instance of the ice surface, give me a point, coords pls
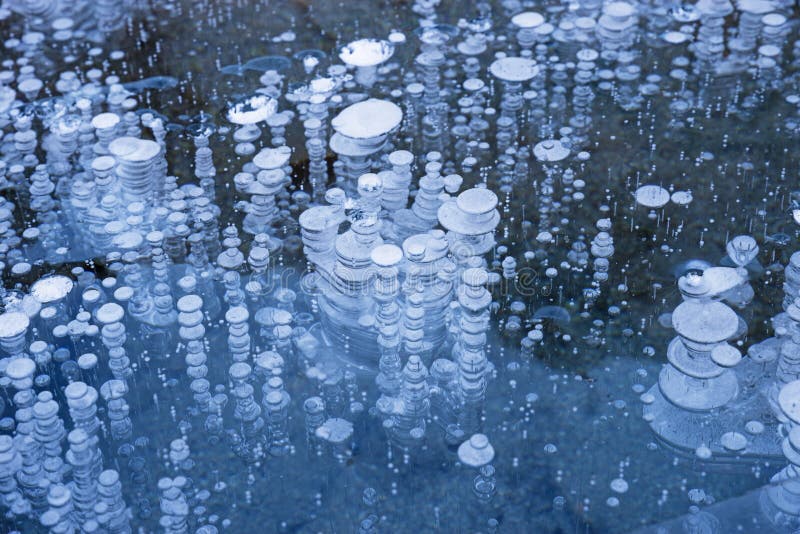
(311, 266)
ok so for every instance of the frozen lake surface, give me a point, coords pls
(399, 266)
